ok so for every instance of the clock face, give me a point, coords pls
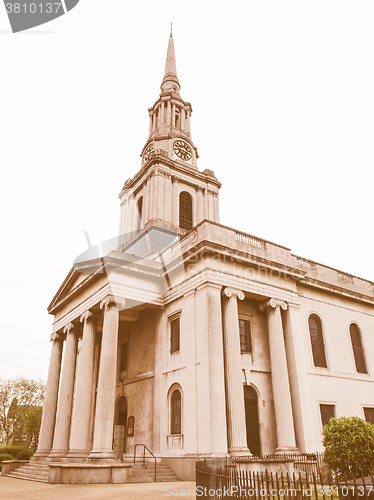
(148, 152)
(183, 150)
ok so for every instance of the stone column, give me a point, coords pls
(216, 207)
(279, 376)
(106, 390)
(80, 423)
(156, 178)
(65, 400)
(161, 195)
(168, 113)
(188, 123)
(145, 201)
(150, 123)
(162, 107)
(200, 205)
(50, 402)
(94, 387)
(183, 120)
(236, 425)
(172, 115)
(130, 215)
(168, 200)
(203, 321)
(300, 396)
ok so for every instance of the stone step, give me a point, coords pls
(31, 472)
(145, 474)
(29, 477)
(30, 467)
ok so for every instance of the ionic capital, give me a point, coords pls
(55, 336)
(232, 292)
(111, 300)
(88, 315)
(68, 328)
(273, 304)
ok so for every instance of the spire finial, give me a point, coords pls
(170, 81)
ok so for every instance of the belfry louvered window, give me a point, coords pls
(316, 339)
(358, 351)
(185, 210)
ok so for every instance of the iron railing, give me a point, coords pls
(149, 451)
(221, 478)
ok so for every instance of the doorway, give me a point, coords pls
(251, 420)
(120, 424)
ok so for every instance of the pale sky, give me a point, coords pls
(283, 112)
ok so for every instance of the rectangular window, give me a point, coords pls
(175, 335)
(124, 356)
(245, 336)
(369, 415)
(327, 412)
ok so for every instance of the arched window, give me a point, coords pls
(140, 213)
(358, 351)
(176, 412)
(185, 210)
(316, 339)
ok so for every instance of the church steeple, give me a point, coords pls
(170, 81)
(168, 190)
(170, 117)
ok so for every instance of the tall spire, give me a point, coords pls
(170, 81)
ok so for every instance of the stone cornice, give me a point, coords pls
(174, 166)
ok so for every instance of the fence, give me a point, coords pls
(223, 478)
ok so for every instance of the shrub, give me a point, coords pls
(349, 446)
(17, 452)
(5, 456)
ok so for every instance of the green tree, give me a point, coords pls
(349, 446)
(33, 419)
(18, 397)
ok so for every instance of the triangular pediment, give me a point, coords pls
(73, 282)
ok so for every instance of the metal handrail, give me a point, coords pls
(145, 448)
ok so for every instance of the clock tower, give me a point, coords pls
(168, 190)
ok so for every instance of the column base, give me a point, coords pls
(239, 452)
(40, 456)
(102, 455)
(57, 455)
(281, 450)
(76, 457)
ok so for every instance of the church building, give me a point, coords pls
(196, 339)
